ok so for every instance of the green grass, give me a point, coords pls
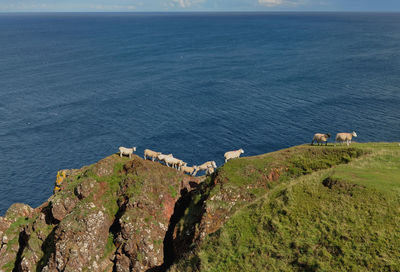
(8, 267)
(292, 162)
(380, 170)
(110, 246)
(302, 225)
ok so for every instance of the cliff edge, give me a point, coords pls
(312, 208)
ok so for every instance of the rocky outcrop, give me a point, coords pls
(110, 216)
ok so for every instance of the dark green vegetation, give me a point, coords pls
(303, 209)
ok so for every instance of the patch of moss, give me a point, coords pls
(172, 191)
(8, 267)
(110, 246)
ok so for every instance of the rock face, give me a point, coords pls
(110, 216)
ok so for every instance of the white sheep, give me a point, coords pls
(174, 162)
(210, 170)
(321, 138)
(151, 154)
(162, 157)
(205, 166)
(189, 170)
(345, 137)
(181, 164)
(233, 154)
(177, 163)
(126, 151)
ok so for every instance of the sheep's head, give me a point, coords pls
(214, 164)
(134, 149)
(241, 150)
(354, 134)
(328, 135)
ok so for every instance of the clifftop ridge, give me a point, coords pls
(123, 214)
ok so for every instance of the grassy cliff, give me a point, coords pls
(330, 209)
(305, 208)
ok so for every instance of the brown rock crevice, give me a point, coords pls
(115, 230)
(182, 231)
(22, 243)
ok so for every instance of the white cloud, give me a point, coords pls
(187, 3)
(274, 3)
(270, 3)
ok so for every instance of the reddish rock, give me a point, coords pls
(84, 189)
(105, 167)
(19, 210)
(61, 207)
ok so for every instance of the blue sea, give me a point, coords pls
(74, 86)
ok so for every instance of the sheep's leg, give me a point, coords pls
(312, 142)
(347, 142)
(120, 154)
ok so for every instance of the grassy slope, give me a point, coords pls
(303, 225)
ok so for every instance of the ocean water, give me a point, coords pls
(75, 87)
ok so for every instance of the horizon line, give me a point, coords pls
(204, 11)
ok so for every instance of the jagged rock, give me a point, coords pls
(19, 210)
(99, 222)
(105, 167)
(147, 213)
(61, 207)
(84, 189)
(4, 225)
(123, 263)
(80, 240)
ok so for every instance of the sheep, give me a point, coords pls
(205, 166)
(189, 170)
(233, 154)
(175, 163)
(150, 153)
(321, 138)
(162, 157)
(126, 151)
(210, 170)
(181, 164)
(345, 137)
(178, 163)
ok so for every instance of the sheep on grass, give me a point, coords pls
(126, 151)
(151, 154)
(345, 137)
(321, 138)
(233, 154)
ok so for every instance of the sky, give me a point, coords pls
(197, 5)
